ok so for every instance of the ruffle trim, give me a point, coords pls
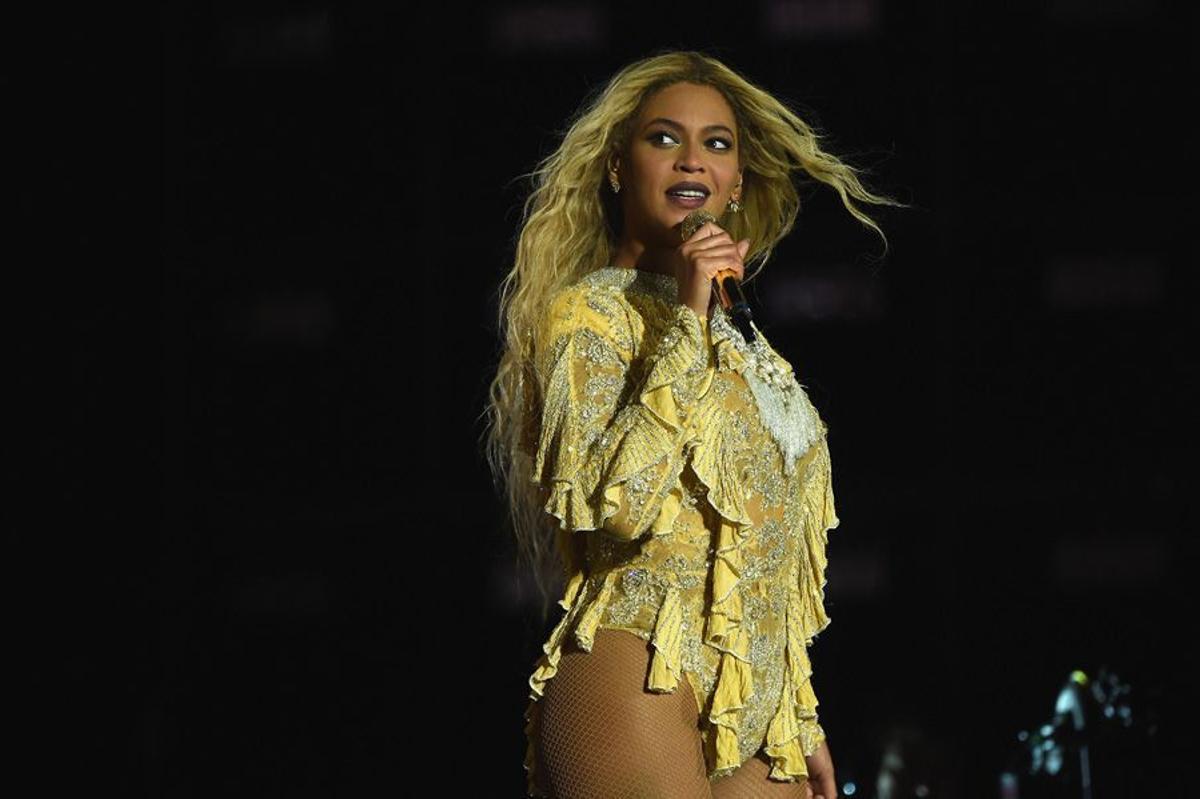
(712, 461)
(588, 498)
(793, 732)
(666, 665)
(585, 488)
(682, 369)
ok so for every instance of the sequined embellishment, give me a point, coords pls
(783, 405)
(728, 589)
(665, 287)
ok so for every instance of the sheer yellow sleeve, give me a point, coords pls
(613, 439)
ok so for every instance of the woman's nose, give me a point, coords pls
(690, 162)
(689, 158)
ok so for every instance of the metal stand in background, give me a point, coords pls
(1055, 759)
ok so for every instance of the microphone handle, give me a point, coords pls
(737, 307)
(731, 298)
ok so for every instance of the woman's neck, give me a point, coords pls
(634, 254)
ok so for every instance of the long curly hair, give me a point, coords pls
(571, 224)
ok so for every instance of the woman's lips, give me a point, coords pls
(686, 202)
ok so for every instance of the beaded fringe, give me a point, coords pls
(784, 407)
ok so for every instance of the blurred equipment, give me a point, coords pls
(1092, 739)
(914, 765)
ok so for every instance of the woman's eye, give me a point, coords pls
(657, 139)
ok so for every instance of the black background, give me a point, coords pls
(275, 560)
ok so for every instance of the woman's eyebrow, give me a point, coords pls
(674, 124)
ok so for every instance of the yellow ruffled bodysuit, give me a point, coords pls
(701, 472)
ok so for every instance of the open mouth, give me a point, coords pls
(687, 196)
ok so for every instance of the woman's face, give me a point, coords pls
(685, 133)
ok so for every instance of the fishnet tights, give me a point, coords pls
(600, 735)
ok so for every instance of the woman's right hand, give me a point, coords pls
(698, 260)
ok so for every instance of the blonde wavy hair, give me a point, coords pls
(570, 226)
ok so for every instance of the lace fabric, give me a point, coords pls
(690, 480)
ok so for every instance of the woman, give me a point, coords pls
(678, 474)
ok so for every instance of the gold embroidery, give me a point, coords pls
(653, 441)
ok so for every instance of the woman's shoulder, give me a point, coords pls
(592, 307)
(587, 303)
(648, 299)
(632, 285)
(612, 299)
(624, 306)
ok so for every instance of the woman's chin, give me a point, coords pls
(671, 221)
(664, 227)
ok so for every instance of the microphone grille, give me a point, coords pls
(693, 222)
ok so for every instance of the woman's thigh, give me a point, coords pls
(751, 782)
(602, 734)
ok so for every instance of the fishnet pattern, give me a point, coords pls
(750, 782)
(599, 734)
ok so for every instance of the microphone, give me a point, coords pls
(727, 286)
